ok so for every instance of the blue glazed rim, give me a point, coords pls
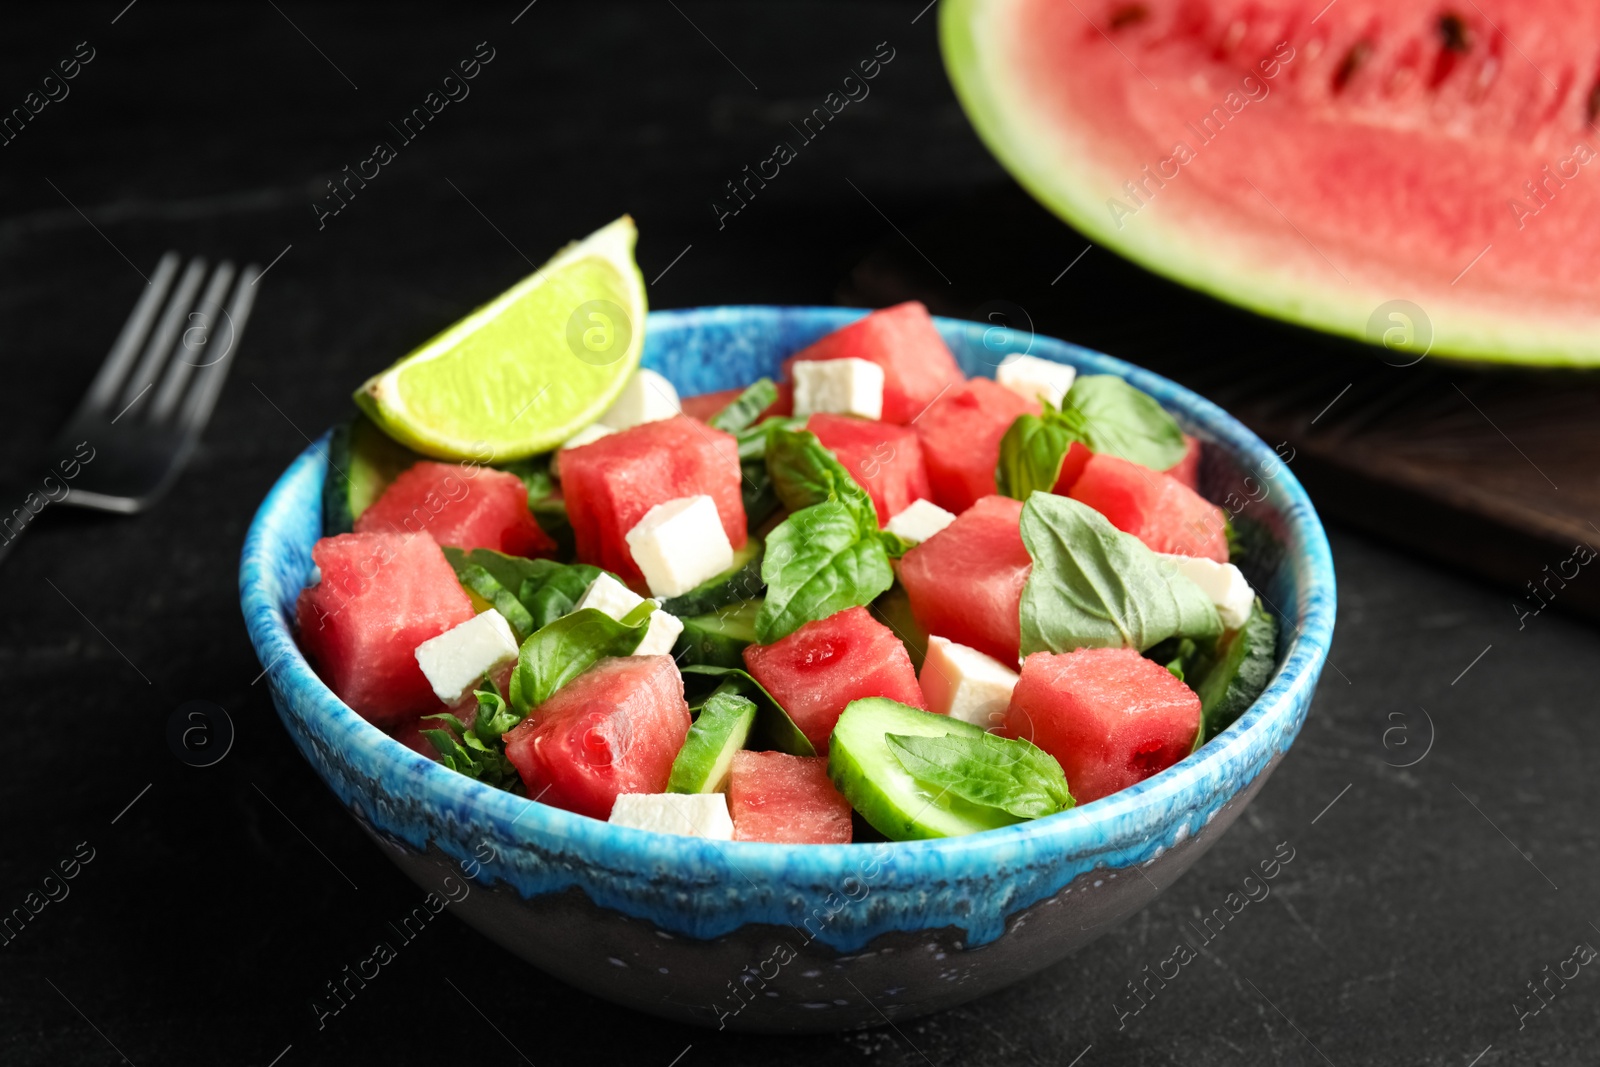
(1128, 828)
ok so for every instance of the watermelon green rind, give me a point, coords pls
(1062, 169)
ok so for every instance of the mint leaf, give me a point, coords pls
(819, 561)
(757, 397)
(1093, 586)
(478, 751)
(804, 473)
(1016, 777)
(565, 648)
(1114, 417)
(1031, 454)
(774, 729)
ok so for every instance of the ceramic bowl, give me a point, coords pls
(779, 938)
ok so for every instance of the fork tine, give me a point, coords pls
(122, 353)
(191, 346)
(208, 383)
(170, 325)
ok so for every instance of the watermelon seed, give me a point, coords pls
(1359, 53)
(1453, 33)
(1129, 15)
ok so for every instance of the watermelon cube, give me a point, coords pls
(1072, 465)
(1187, 469)
(380, 596)
(1155, 507)
(705, 405)
(611, 483)
(965, 582)
(789, 800)
(815, 671)
(464, 506)
(1109, 716)
(886, 460)
(961, 434)
(917, 364)
(615, 728)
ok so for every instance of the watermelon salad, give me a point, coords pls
(875, 599)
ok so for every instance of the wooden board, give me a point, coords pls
(1493, 470)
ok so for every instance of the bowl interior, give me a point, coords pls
(414, 802)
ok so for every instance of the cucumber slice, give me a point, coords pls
(773, 730)
(362, 461)
(866, 771)
(893, 609)
(719, 637)
(706, 757)
(742, 581)
(1239, 672)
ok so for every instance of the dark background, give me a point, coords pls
(1404, 930)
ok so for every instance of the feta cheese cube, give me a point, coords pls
(1035, 378)
(457, 659)
(690, 814)
(647, 397)
(607, 594)
(680, 544)
(838, 387)
(1222, 582)
(966, 684)
(919, 521)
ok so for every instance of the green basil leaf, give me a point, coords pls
(804, 473)
(752, 440)
(1093, 586)
(1118, 419)
(528, 579)
(755, 487)
(757, 397)
(565, 648)
(1016, 777)
(774, 729)
(819, 562)
(1031, 454)
(895, 545)
(480, 581)
(478, 750)
(544, 500)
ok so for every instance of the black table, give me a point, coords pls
(1421, 899)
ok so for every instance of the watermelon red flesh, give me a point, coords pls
(1109, 716)
(1186, 470)
(1156, 508)
(1316, 161)
(705, 405)
(381, 595)
(815, 671)
(615, 728)
(467, 507)
(885, 460)
(960, 434)
(965, 582)
(789, 800)
(609, 484)
(917, 364)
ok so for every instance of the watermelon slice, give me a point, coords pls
(885, 459)
(1404, 173)
(609, 484)
(786, 799)
(705, 405)
(381, 595)
(1156, 508)
(965, 582)
(917, 364)
(815, 671)
(961, 435)
(464, 506)
(1109, 716)
(615, 728)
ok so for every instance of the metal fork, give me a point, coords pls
(136, 427)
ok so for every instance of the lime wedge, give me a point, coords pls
(525, 372)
